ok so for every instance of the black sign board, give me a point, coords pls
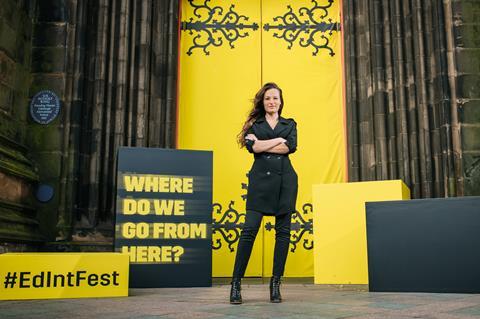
(425, 245)
(44, 107)
(164, 216)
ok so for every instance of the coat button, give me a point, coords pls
(268, 173)
(268, 156)
(278, 157)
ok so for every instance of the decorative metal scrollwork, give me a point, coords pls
(245, 187)
(300, 226)
(308, 25)
(227, 224)
(213, 26)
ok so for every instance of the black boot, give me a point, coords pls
(275, 295)
(235, 294)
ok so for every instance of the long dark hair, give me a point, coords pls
(258, 110)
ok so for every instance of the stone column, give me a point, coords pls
(465, 26)
(56, 57)
(412, 88)
(129, 99)
(18, 223)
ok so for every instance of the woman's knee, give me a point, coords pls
(249, 233)
(282, 233)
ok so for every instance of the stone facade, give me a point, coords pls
(412, 91)
(413, 104)
(19, 226)
(113, 65)
(466, 33)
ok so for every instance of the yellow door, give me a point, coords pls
(301, 52)
(220, 67)
(228, 49)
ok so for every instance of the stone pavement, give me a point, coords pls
(301, 300)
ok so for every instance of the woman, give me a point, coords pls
(272, 184)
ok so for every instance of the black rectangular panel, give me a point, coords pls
(427, 245)
(164, 216)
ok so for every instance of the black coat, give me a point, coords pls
(272, 181)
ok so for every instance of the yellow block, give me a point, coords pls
(63, 275)
(339, 226)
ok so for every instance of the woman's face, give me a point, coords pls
(272, 101)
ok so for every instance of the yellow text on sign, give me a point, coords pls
(158, 183)
(164, 230)
(63, 275)
(339, 228)
(165, 207)
(154, 254)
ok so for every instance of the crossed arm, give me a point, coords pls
(274, 145)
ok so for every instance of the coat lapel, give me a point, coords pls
(281, 126)
(267, 130)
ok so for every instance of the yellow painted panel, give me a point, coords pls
(63, 275)
(312, 87)
(340, 251)
(215, 93)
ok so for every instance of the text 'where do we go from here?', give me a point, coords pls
(156, 217)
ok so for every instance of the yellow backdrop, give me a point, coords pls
(228, 49)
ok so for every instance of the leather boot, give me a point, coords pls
(235, 291)
(275, 295)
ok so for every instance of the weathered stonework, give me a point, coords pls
(466, 23)
(413, 104)
(19, 226)
(412, 93)
(18, 216)
(47, 143)
(14, 189)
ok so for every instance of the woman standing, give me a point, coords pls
(272, 184)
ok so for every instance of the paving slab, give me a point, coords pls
(301, 300)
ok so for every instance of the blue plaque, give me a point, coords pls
(44, 193)
(44, 107)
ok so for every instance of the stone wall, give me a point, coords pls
(15, 58)
(413, 103)
(19, 227)
(48, 144)
(412, 94)
(466, 32)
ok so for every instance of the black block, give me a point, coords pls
(427, 245)
(186, 260)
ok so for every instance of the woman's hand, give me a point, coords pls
(251, 137)
(264, 145)
(281, 148)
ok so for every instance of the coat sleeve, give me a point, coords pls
(249, 143)
(292, 139)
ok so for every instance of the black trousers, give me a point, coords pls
(247, 238)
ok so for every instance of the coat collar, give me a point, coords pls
(281, 125)
(281, 120)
